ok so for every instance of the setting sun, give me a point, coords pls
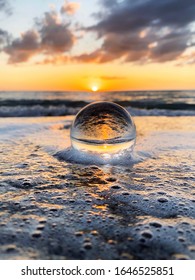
(94, 88)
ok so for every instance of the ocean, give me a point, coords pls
(138, 103)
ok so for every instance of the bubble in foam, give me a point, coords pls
(103, 127)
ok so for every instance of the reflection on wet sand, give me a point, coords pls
(51, 209)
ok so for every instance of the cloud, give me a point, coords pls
(93, 57)
(3, 4)
(142, 31)
(55, 35)
(187, 58)
(107, 78)
(130, 15)
(4, 37)
(5, 7)
(70, 8)
(22, 49)
(51, 37)
(55, 60)
(111, 78)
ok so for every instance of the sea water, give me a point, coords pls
(138, 103)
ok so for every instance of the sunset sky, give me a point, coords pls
(107, 44)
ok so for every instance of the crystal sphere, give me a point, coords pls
(103, 127)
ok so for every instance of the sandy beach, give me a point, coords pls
(52, 209)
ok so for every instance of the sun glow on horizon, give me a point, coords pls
(94, 88)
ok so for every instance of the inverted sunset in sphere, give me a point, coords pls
(103, 127)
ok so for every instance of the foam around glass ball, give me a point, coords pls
(103, 127)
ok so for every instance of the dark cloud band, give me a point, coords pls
(5, 7)
(143, 30)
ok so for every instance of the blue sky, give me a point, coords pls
(24, 13)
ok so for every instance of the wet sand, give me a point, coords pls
(50, 209)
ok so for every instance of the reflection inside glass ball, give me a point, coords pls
(103, 127)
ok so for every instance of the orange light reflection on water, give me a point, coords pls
(107, 149)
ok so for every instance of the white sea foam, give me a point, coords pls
(124, 158)
(143, 210)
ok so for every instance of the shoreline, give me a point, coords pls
(51, 209)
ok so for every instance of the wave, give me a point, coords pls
(35, 104)
(64, 110)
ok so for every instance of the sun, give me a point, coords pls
(94, 88)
